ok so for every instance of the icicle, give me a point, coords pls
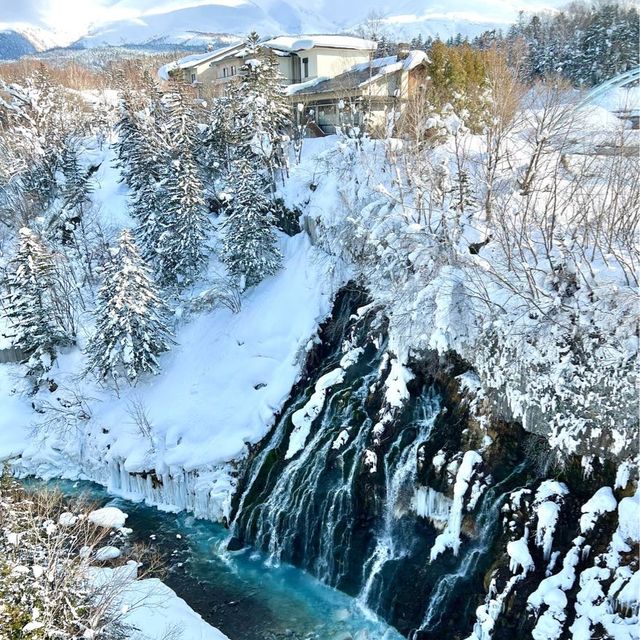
(431, 504)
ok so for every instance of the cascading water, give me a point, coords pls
(400, 480)
(450, 585)
(331, 492)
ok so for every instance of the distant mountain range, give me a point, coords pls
(19, 39)
(197, 23)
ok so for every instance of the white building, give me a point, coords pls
(300, 59)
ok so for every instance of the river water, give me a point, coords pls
(239, 592)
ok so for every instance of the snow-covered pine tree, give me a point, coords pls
(462, 192)
(128, 131)
(139, 144)
(141, 157)
(74, 196)
(182, 226)
(29, 286)
(34, 127)
(218, 137)
(264, 112)
(131, 319)
(250, 249)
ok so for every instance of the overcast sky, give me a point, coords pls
(74, 16)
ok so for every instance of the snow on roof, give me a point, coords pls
(301, 42)
(198, 58)
(301, 86)
(413, 59)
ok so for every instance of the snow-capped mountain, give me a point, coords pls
(14, 44)
(21, 39)
(197, 23)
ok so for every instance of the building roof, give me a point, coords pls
(198, 58)
(302, 42)
(360, 75)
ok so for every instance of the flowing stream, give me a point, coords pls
(240, 592)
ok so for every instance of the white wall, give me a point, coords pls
(331, 62)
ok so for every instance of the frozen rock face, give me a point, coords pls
(346, 484)
(373, 490)
(575, 579)
(616, 441)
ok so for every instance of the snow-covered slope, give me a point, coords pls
(223, 383)
(197, 25)
(14, 44)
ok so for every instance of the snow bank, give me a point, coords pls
(154, 609)
(303, 418)
(163, 611)
(16, 414)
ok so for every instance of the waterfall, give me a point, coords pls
(400, 470)
(338, 487)
(450, 584)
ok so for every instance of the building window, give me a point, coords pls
(224, 72)
(305, 65)
(193, 77)
(233, 70)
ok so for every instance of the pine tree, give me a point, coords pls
(250, 249)
(29, 286)
(139, 146)
(218, 137)
(131, 320)
(74, 196)
(182, 226)
(263, 109)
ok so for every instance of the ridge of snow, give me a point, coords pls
(303, 418)
(304, 42)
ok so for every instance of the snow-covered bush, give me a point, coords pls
(47, 549)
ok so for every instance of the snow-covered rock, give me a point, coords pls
(108, 517)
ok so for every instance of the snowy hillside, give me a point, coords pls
(195, 26)
(14, 44)
(400, 357)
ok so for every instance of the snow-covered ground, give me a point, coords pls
(156, 612)
(220, 388)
